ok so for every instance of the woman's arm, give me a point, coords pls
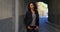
(25, 19)
(37, 20)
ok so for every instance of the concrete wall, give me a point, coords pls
(54, 11)
(5, 9)
(21, 7)
(7, 12)
(21, 16)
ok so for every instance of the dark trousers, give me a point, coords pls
(32, 29)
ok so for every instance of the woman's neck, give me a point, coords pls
(32, 10)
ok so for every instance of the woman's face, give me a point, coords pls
(31, 6)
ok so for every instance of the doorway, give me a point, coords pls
(42, 9)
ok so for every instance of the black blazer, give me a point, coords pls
(28, 18)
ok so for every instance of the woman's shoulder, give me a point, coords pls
(27, 12)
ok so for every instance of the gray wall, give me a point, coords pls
(5, 9)
(54, 11)
(7, 23)
(21, 16)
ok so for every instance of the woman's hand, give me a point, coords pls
(29, 28)
(37, 27)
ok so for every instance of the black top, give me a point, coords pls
(28, 18)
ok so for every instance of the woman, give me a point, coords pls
(31, 19)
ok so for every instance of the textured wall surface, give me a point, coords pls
(7, 23)
(54, 11)
(5, 9)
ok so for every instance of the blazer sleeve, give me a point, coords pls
(37, 19)
(25, 19)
